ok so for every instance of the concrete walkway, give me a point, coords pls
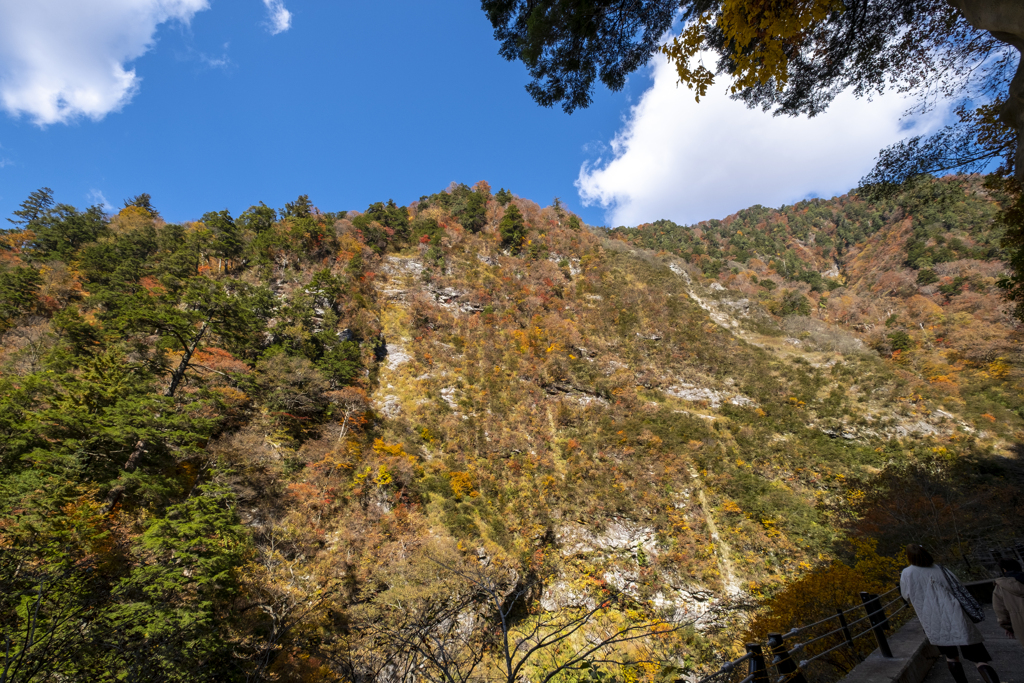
(1007, 656)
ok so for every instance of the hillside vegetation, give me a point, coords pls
(296, 445)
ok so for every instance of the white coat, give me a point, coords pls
(941, 615)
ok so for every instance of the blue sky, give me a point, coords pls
(239, 101)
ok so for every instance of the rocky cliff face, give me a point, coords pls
(661, 432)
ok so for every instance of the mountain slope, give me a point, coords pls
(370, 406)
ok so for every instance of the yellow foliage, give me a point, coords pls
(130, 218)
(129, 211)
(683, 49)
(16, 240)
(769, 27)
(999, 368)
(382, 448)
(394, 450)
(761, 31)
(462, 484)
(383, 477)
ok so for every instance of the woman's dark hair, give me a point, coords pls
(918, 556)
(1008, 565)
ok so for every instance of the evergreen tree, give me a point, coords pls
(19, 290)
(473, 215)
(37, 204)
(61, 231)
(168, 617)
(512, 229)
(115, 266)
(258, 219)
(300, 208)
(228, 242)
(57, 566)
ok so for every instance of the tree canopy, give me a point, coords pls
(794, 58)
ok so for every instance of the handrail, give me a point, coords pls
(800, 646)
(844, 628)
(728, 667)
(800, 629)
(844, 644)
(868, 616)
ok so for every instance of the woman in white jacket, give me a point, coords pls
(948, 628)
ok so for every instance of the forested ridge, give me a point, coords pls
(300, 445)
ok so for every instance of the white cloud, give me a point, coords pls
(64, 59)
(96, 197)
(280, 19)
(677, 159)
(222, 62)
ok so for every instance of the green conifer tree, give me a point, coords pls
(512, 229)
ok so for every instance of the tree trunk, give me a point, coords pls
(186, 358)
(1004, 19)
(176, 377)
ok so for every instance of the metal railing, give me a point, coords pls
(782, 653)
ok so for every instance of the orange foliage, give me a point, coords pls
(152, 285)
(14, 243)
(219, 360)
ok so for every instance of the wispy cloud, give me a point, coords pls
(221, 62)
(279, 19)
(65, 59)
(96, 197)
(677, 159)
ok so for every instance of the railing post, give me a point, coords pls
(783, 662)
(758, 672)
(878, 621)
(846, 629)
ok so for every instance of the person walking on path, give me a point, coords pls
(1008, 599)
(927, 587)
